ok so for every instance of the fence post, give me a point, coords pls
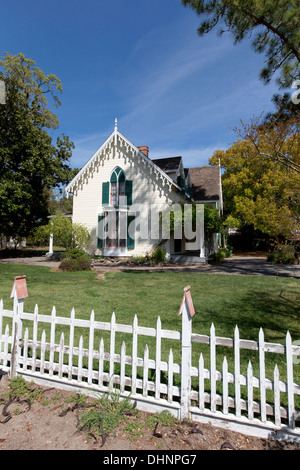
(187, 312)
(290, 381)
(18, 293)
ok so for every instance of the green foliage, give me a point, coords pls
(222, 253)
(19, 388)
(75, 253)
(262, 176)
(212, 220)
(219, 256)
(158, 255)
(284, 255)
(77, 399)
(165, 418)
(65, 233)
(228, 250)
(58, 202)
(232, 222)
(30, 163)
(75, 259)
(134, 430)
(106, 413)
(32, 86)
(274, 27)
(109, 411)
(285, 109)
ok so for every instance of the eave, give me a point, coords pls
(112, 142)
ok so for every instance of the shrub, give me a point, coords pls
(71, 264)
(158, 255)
(286, 255)
(65, 233)
(219, 256)
(76, 253)
(75, 260)
(228, 251)
(140, 259)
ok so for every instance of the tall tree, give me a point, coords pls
(261, 180)
(30, 163)
(285, 109)
(274, 26)
(277, 140)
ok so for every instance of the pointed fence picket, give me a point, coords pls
(237, 372)
(146, 371)
(122, 368)
(134, 354)
(250, 391)
(170, 376)
(225, 386)
(186, 390)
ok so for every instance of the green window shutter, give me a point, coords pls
(130, 241)
(100, 240)
(128, 192)
(105, 194)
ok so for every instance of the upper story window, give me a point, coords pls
(118, 190)
(117, 187)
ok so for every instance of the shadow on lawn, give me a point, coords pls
(274, 313)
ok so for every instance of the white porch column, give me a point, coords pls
(51, 244)
(201, 232)
(202, 247)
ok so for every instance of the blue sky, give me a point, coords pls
(143, 62)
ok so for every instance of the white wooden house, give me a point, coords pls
(120, 192)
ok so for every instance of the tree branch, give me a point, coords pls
(260, 20)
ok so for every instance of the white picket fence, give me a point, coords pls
(155, 384)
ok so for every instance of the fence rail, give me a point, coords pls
(222, 397)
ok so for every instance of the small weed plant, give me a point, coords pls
(19, 388)
(109, 413)
(105, 414)
(164, 418)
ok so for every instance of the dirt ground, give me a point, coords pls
(50, 421)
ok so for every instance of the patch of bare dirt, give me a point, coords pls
(50, 421)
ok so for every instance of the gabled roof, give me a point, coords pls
(168, 163)
(206, 183)
(115, 138)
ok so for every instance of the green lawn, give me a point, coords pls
(250, 302)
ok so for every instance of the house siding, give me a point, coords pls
(148, 190)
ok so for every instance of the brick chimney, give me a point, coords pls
(144, 149)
